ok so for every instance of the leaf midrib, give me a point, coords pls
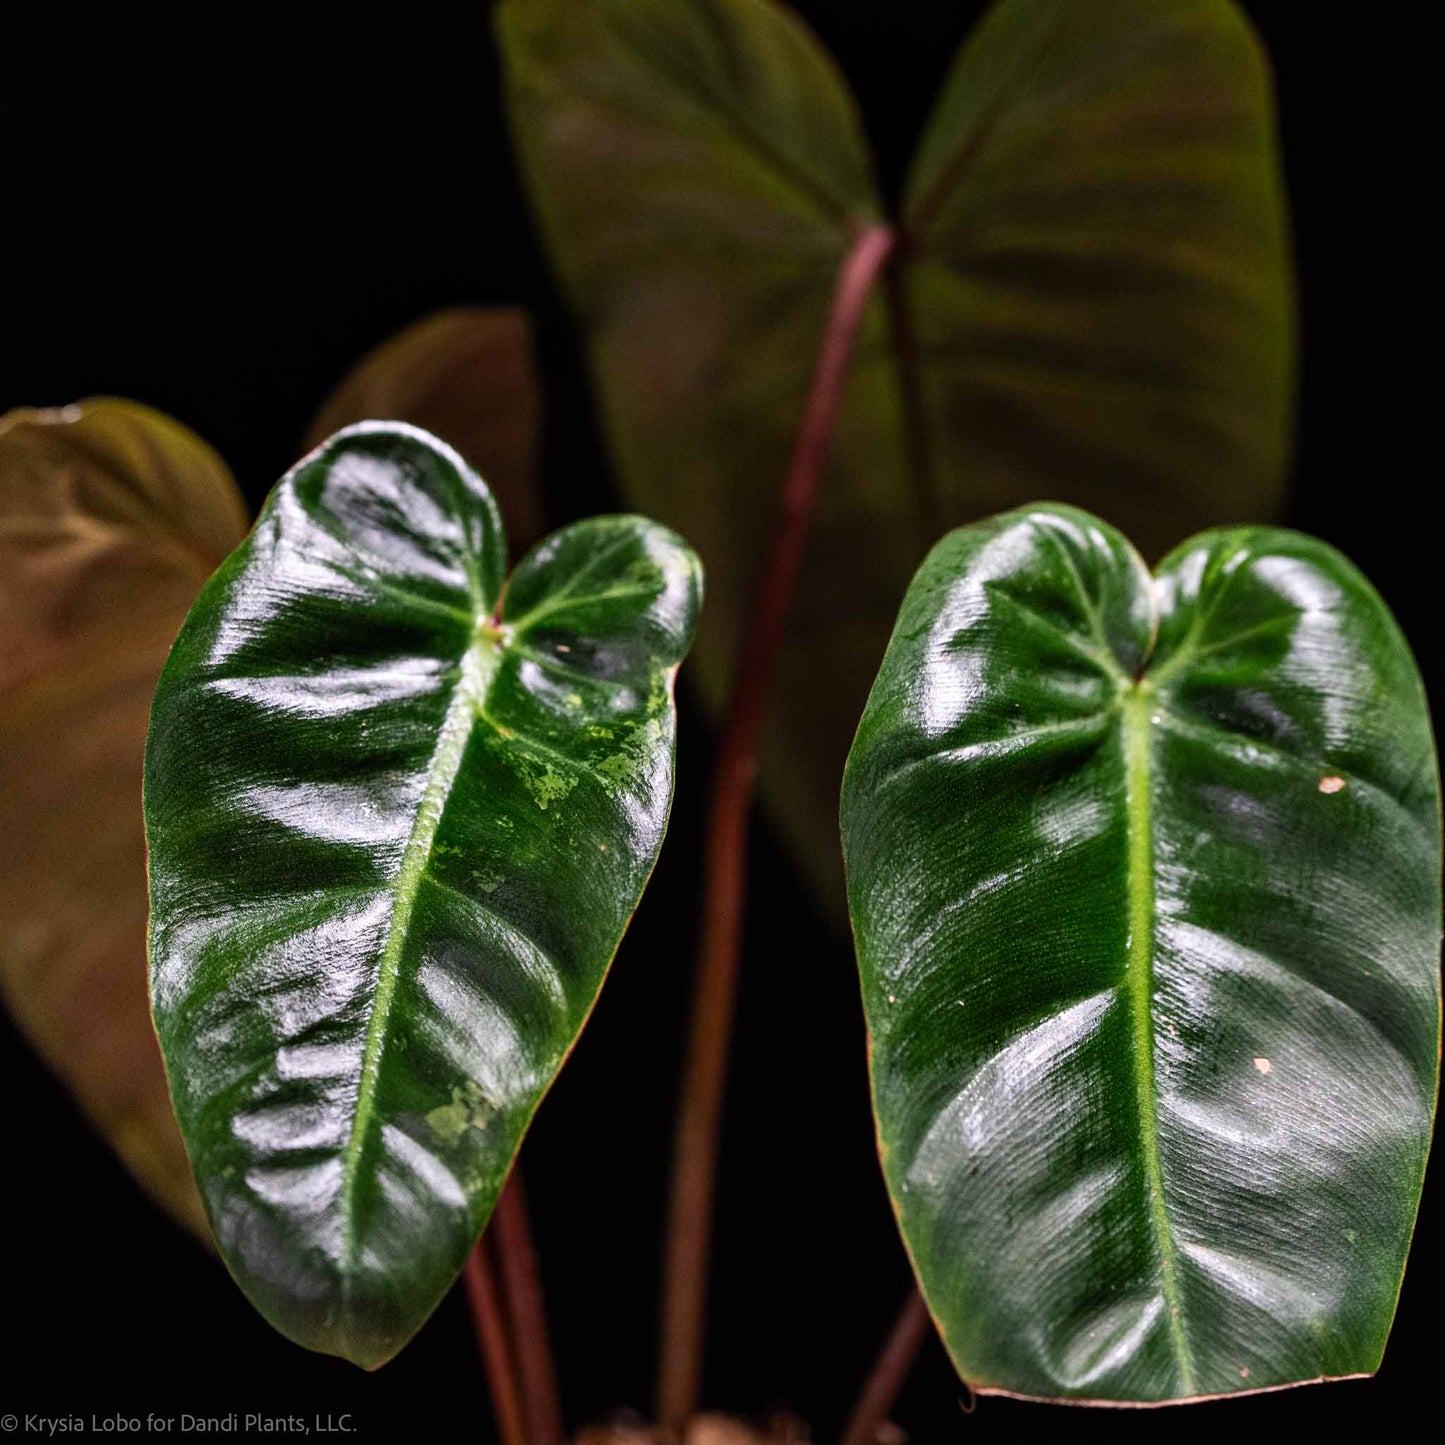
(1137, 713)
(1140, 711)
(478, 666)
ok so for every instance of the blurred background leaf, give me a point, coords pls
(467, 375)
(111, 517)
(1091, 301)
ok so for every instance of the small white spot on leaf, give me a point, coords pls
(1331, 783)
(1263, 1065)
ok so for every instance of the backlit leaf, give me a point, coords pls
(1090, 299)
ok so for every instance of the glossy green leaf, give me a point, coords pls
(397, 828)
(1145, 880)
(111, 517)
(1091, 298)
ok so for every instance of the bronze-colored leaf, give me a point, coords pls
(111, 518)
(467, 375)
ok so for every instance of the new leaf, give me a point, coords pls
(399, 814)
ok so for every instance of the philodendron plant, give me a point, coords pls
(1143, 867)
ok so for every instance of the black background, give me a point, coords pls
(218, 221)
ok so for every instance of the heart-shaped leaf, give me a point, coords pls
(466, 375)
(1090, 298)
(397, 826)
(1145, 879)
(111, 517)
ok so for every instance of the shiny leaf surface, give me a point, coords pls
(1145, 879)
(396, 828)
(467, 375)
(1090, 298)
(111, 518)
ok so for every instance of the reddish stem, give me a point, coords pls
(526, 1314)
(890, 1370)
(482, 1296)
(695, 1146)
